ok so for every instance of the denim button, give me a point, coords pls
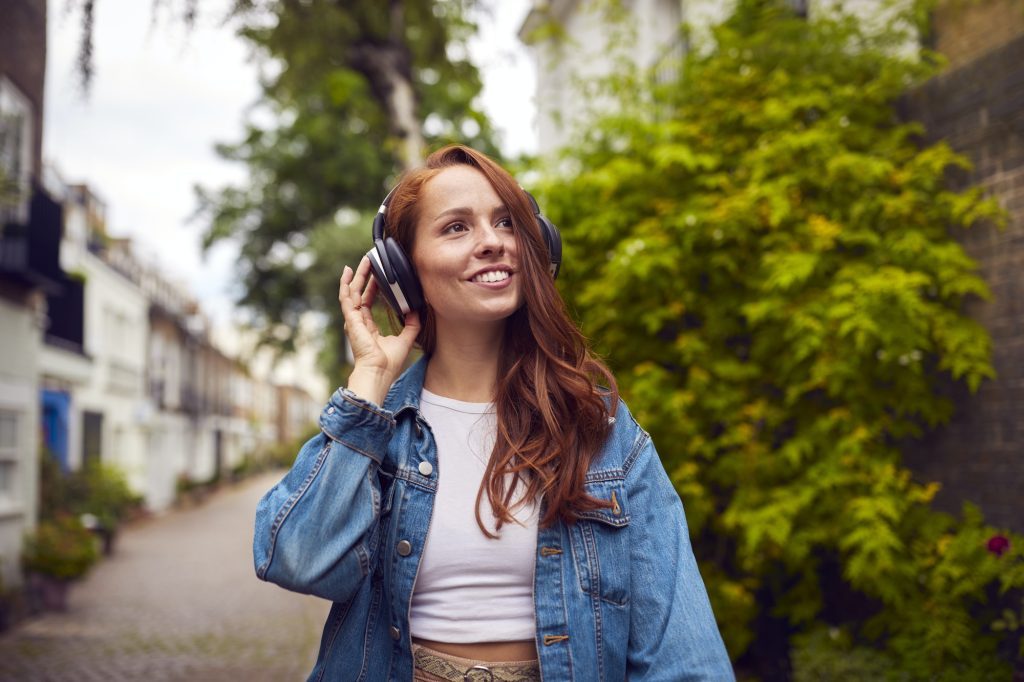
(330, 410)
(426, 469)
(395, 633)
(404, 548)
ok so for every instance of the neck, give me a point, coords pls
(464, 364)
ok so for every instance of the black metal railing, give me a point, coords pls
(30, 251)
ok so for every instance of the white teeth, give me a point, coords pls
(493, 276)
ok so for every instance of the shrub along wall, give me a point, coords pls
(763, 251)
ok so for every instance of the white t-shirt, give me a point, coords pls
(471, 588)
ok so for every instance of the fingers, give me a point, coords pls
(359, 278)
(345, 291)
(348, 302)
(411, 328)
(353, 286)
(357, 293)
(369, 295)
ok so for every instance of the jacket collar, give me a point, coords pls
(405, 392)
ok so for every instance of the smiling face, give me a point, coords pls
(465, 249)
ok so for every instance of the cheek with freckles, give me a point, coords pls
(437, 276)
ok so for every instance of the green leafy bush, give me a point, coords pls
(761, 249)
(61, 548)
(107, 494)
(830, 654)
(98, 488)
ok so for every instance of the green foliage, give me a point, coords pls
(52, 487)
(10, 191)
(60, 547)
(98, 488)
(318, 171)
(830, 654)
(185, 485)
(107, 494)
(761, 249)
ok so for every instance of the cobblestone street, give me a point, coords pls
(178, 600)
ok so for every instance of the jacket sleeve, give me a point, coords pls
(315, 530)
(672, 633)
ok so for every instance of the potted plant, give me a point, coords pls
(108, 501)
(59, 551)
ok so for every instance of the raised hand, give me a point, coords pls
(378, 358)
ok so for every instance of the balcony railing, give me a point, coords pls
(30, 252)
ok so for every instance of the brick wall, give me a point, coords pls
(23, 57)
(978, 108)
(965, 30)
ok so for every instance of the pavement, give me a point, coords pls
(178, 600)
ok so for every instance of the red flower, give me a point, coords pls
(998, 545)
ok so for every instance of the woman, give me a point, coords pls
(492, 513)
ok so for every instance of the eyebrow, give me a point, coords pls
(465, 210)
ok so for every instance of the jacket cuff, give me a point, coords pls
(358, 424)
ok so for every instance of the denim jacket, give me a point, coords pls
(617, 594)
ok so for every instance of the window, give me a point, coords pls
(8, 430)
(15, 153)
(10, 422)
(92, 436)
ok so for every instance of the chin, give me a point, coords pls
(497, 315)
(476, 316)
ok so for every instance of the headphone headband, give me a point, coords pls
(379, 219)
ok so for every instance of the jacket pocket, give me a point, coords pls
(600, 545)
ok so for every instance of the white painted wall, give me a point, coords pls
(165, 439)
(19, 446)
(590, 48)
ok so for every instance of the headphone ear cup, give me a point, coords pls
(379, 268)
(404, 275)
(552, 237)
(553, 240)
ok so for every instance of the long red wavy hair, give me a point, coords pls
(552, 414)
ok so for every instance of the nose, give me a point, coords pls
(490, 241)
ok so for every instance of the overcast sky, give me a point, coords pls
(163, 96)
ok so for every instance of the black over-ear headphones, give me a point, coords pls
(396, 277)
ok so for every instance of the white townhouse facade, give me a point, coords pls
(96, 392)
(131, 373)
(139, 384)
(19, 414)
(176, 328)
(29, 270)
